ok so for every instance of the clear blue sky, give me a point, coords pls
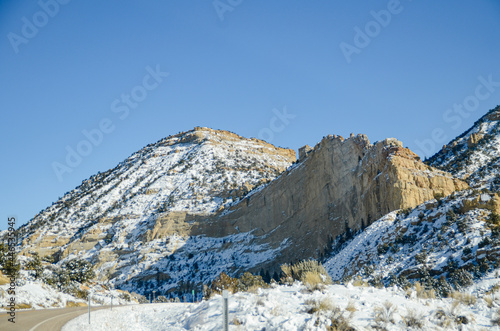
(64, 70)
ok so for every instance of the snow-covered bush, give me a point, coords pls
(247, 282)
(56, 277)
(461, 278)
(447, 318)
(9, 266)
(340, 320)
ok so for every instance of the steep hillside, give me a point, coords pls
(475, 154)
(446, 245)
(112, 218)
(176, 214)
(339, 187)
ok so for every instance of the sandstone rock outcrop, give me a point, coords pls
(341, 186)
(474, 139)
(304, 151)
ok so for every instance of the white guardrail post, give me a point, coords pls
(89, 308)
(225, 310)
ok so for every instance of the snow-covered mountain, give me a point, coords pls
(111, 219)
(177, 213)
(172, 216)
(475, 154)
(198, 172)
(448, 243)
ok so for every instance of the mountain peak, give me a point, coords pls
(474, 155)
(200, 135)
(197, 172)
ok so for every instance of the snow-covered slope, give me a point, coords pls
(475, 153)
(446, 245)
(197, 172)
(35, 292)
(113, 219)
(290, 308)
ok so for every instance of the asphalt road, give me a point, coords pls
(44, 319)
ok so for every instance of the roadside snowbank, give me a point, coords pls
(286, 308)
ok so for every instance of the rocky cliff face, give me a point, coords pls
(180, 211)
(342, 185)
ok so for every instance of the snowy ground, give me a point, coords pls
(286, 308)
(37, 295)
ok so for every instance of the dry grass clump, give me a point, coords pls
(351, 307)
(494, 288)
(464, 298)
(313, 280)
(23, 306)
(359, 282)
(490, 301)
(339, 322)
(276, 311)
(315, 306)
(413, 320)
(311, 272)
(450, 317)
(384, 315)
(422, 293)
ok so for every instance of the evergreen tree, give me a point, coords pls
(79, 270)
(35, 264)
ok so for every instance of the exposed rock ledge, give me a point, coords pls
(340, 184)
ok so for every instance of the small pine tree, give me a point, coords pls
(79, 270)
(35, 264)
(494, 219)
(451, 217)
(60, 279)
